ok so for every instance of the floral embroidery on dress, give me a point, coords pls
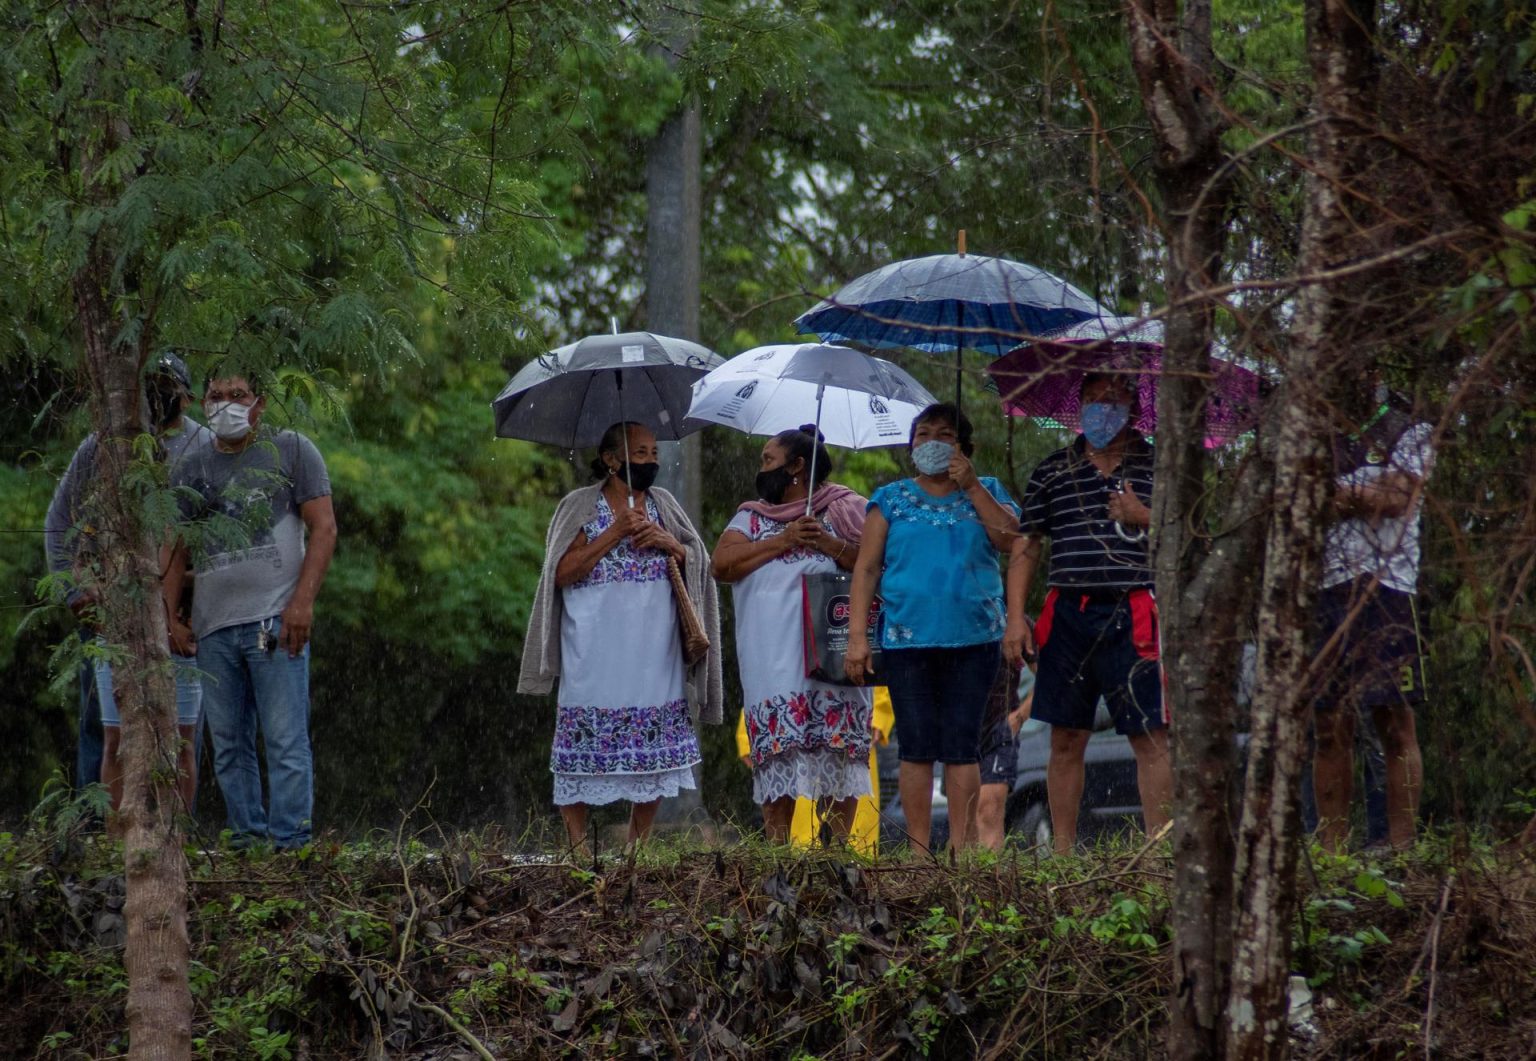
(623, 563)
(812, 719)
(908, 501)
(623, 740)
(761, 528)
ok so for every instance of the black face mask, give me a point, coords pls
(639, 477)
(164, 407)
(772, 484)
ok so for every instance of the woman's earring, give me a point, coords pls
(794, 480)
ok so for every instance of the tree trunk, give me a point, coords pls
(672, 252)
(672, 297)
(1171, 52)
(1322, 354)
(159, 1004)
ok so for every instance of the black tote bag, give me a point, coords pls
(825, 609)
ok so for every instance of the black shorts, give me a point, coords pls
(999, 755)
(999, 749)
(1375, 658)
(1092, 646)
(939, 696)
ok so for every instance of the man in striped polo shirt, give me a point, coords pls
(1097, 631)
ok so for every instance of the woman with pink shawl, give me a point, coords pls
(809, 738)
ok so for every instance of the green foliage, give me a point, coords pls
(1127, 922)
(1330, 938)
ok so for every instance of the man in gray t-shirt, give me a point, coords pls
(257, 494)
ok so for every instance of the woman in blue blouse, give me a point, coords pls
(930, 549)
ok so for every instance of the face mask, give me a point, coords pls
(931, 458)
(1103, 422)
(639, 477)
(231, 421)
(772, 484)
(164, 407)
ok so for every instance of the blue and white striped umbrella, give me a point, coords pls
(949, 302)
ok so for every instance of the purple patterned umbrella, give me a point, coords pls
(1045, 379)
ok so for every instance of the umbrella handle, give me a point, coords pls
(629, 481)
(810, 480)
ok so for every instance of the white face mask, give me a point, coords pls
(231, 421)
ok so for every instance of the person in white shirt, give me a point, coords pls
(1368, 619)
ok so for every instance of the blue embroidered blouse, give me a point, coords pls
(942, 584)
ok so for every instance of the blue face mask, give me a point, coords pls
(931, 458)
(1103, 421)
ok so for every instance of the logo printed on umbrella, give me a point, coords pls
(746, 391)
(877, 406)
(767, 356)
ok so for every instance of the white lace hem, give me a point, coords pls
(825, 773)
(597, 789)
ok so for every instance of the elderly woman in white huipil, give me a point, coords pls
(605, 624)
(808, 738)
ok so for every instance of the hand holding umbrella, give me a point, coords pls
(859, 401)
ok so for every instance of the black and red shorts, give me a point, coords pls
(1095, 644)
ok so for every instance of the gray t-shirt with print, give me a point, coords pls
(252, 546)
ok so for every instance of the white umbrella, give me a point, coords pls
(855, 400)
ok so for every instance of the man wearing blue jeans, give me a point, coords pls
(261, 492)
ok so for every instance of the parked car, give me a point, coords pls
(1111, 801)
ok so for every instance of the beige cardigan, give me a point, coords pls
(541, 647)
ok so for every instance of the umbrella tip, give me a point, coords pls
(613, 322)
(960, 242)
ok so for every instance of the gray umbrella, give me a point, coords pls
(570, 396)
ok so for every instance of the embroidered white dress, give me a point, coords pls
(808, 738)
(622, 731)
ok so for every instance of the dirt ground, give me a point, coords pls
(469, 949)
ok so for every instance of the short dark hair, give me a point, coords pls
(611, 442)
(801, 442)
(946, 413)
(234, 371)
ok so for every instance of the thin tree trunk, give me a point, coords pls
(1322, 354)
(1170, 48)
(1267, 838)
(1200, 635)
(159, 1004)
